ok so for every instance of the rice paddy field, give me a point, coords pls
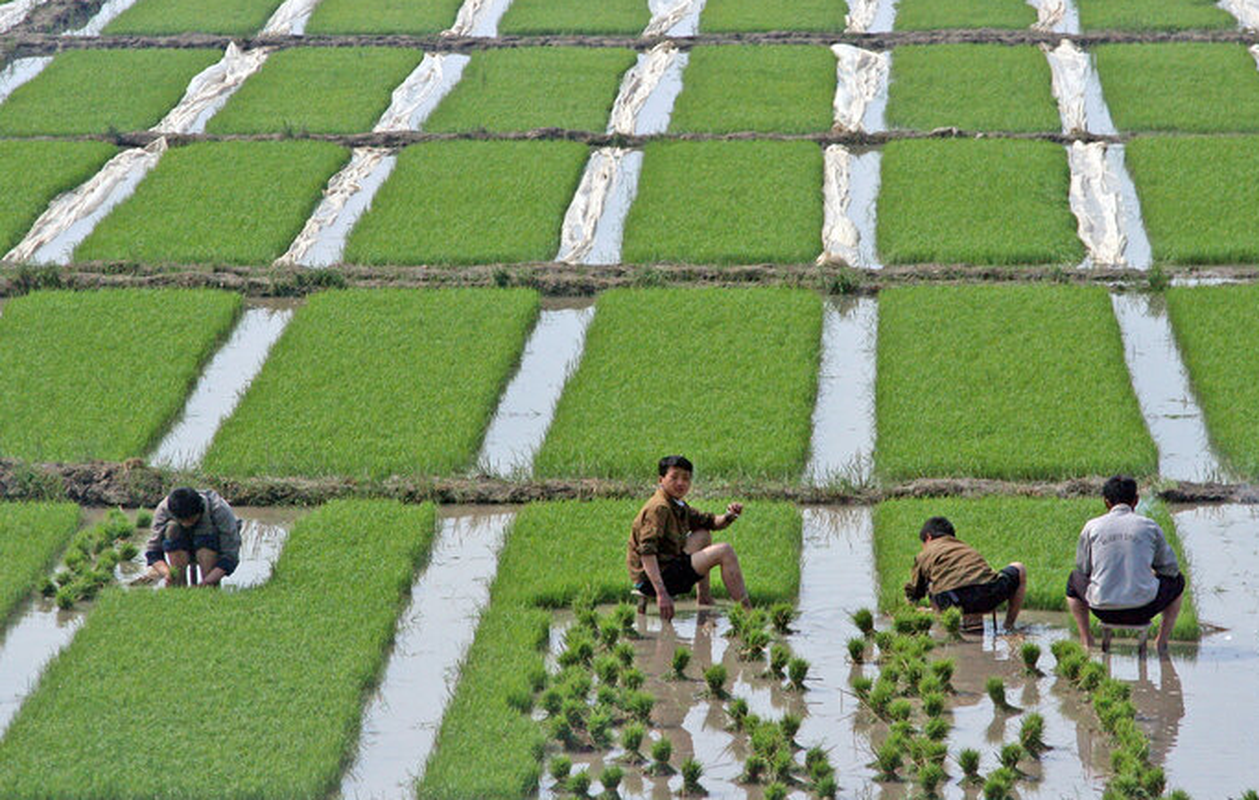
(857, 289)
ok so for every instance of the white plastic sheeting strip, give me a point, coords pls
(349, 194)
(640, 85)
(594, 224)
(15, 11)
(1055, 16)
(870, 16)
(20, 71)
(1096, 204)
(108, 12)
(861, 82)
(71, 217)
(478, 18)
(1070, 67)
(1246, 12)
(674, 17)
(208, 91)
(417, 96)
(290, 18)
(850, 185)
(1254, 53)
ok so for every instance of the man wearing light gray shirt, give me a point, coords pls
(193, 528)
(1125, 571)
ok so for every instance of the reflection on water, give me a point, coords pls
(843, 419)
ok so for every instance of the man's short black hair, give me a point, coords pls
(935, 527)
(1120, 489)
(185, 502)
(681, 462)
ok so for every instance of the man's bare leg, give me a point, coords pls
(1165, 626)
(1080, 611)
(696, 541)
(178, 562)
(206, 559)
(1016, 600)
(722, 555)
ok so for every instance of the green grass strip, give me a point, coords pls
(685, 210)
(218, 203)
(1198, 197)
(378, 383)
(917, 15)
(541, 569)
(383, 16)
(1180, 86)
(33, 173)
(976, 202)
(1152, 15)
(170, 17)
(534, 87)
(727, 377)
(317, 90)
(527, 17)
(1215, 326)
(102, 91)
(99, 375)
(986, 87)
(1014, 382)
(1040, 532)
(767, 88)
(31, 536)
(469, 202)
(199, 694)
(747, 16)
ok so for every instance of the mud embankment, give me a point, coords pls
(56, 16)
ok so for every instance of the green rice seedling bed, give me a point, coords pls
(33, 173)
(534, 87)
(766, 88)
(727, 377)
(317, 90)
(983, 87)
(378, 383)
(684, 212)
(102, 91)
(976, 202)
(747, 16)
(274, 677)
(1155, 15)
(528, 17)
(218, 203)
(383, 16)
(1198, 196)
(1216, 327)
(541, 569)
(99, 375)
(470, 202)
(1181, 86)
(171, 17)
(915, 15)
(1012, 382)
(1040, 532)
(31, 536)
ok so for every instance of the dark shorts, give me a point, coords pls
(982, 597)
(187, 542)
(1168, 590)
(678, 575)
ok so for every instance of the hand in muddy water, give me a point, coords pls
(149, 576)
(665, 604)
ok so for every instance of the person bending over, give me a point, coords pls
(192, 524)
(952, 573)
(1125, 571)
(671, 545)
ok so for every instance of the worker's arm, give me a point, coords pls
(727, 519)
(916, 589)
(651, 566)
(1165, 562)
(153, 555)
(1084, 552)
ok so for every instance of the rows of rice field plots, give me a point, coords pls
(533, 17)
(747, 16)
(33, 173)
(912, 15)
(31, 536)
(174, 17)
(1158, 15)
(383, 16)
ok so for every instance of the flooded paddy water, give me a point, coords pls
(842, 447)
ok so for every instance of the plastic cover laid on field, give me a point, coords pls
(1246, 11)
(870, 16)
(591, 233)
(420, 93)
(290, 18)
(861, 81)
(674, 17)
(1072, 70)
(322, 241)
(848, 224)
(1096, 203)
(478, 18)
(208, 91)
(638, 108)
(1055, 16)
(13, 13)
(19, 71)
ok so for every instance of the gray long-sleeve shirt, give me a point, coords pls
(218, 519)
(1120, 553)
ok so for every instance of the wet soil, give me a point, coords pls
(57, 16)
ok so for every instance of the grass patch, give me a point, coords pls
(169, 17)
(286, 687)
(218, 203)
(917, 15)
(684, 212)
(743, 367)
(1213, 325)
(99, 375)
(1013, 382)
(767, 88)
(100, 91)
(33, 173)
(378, 383)
(1156, 15)
(1198, 197)
(746, 16)
(468, 202)
(526, 17)
(1180, 86)
(971, 86)
(383, 16)
(534, 87)
(354, 89)
(976, 202)
(513, 632)
(31, 536)
(1040, 532)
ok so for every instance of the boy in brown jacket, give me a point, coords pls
(952, 573)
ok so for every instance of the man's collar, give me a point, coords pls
(1121, 508)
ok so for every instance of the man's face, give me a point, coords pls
(188, 522)
(676, 482)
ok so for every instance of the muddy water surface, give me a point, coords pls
(843, 419)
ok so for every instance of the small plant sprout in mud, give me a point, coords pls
(624, 653)
(47, 586)
(797, 672)
(1011, 755)
(552, 701)
(610, 778)
(579, 783)
(661, 752)
(692, 770)
(128, 550)
(625, 616)
(968, 760)
(781, 614)
(899, 709)
(1000, 784)
(888, 759)
(606, 696)
(66, 596)
(779, 655)
(1090, 676)
(881, 696)
(817, 763)
(754, 644)
(681, 658)
(600, 728)
(936, 729)
(639, 705)
(863, 618)
(1032, 734)
(144, 518)
(609, 633)
(608, 669)
(632, 739)
(1031, 656)
(775, 791)
(790, 725)
(943, 669)
(633, 678)
(520, 699)
(861, 686)
(826, 787)
(995, 687)
(574, 712)
(738, 711)
(562, 731)
(857, 650)
(884, 641)
(951, 620)
(930, 776)
(561, 766)
(1069, 666)
(715, 676)
(754, 769)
